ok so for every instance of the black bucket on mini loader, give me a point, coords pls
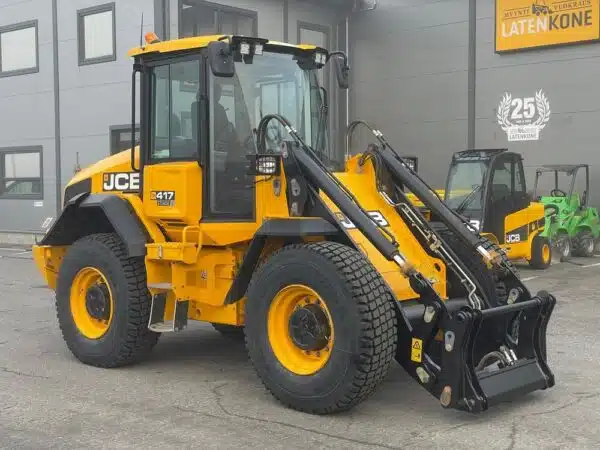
(452, 367)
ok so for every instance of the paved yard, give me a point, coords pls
(198, 390)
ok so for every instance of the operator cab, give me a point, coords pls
(485, 186)
(200, 108)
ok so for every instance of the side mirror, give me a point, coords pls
(342, 71)
(220, 58)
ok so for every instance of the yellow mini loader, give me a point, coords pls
(329, 273)
(487, 189)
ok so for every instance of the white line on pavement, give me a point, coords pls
(530, 278)
(591, 265)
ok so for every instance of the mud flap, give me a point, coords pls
(452, 373)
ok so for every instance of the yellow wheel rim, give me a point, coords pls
(294, 311)
(91, 303)
(546, 252)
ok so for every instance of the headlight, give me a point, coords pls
(266, 165)
(320, 58)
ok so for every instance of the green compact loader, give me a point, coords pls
(571, 224)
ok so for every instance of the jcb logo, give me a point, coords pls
(513, 238)
(127, 181)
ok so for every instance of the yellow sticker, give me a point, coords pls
(416, 350)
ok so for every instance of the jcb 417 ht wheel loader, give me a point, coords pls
(329, 274)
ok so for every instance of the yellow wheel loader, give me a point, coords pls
(234, 211)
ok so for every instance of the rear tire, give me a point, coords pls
(362, 327)
(584, 244)
(126, 338)
(541, 253)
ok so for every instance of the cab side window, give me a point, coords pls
(175, 133)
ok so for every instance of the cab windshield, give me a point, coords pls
(465, 186)
(272, 84)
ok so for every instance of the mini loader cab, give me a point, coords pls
(488, 188)
(234, 211)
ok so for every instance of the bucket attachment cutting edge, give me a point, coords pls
(450, 367)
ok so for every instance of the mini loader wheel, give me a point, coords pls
(102, 303)
(541, 253)
(321, 327)
(584, 244)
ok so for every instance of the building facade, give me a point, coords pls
(432, 75)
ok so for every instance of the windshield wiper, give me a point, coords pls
(460, 208)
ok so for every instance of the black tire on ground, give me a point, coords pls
(364, 323)
(584, 244)
(229, 331)
(128, 339)
(538, 246)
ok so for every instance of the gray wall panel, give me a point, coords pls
(568, 76)
(95, 96)
(409, 72)
(26, 110)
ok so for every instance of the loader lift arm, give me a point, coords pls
(454, 377)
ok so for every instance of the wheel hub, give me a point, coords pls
(97, 302)
(309, 328)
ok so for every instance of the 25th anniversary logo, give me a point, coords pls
(523, 118)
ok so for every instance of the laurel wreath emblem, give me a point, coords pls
(541, 104)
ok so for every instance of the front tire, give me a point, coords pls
(103, 304)
(321, 327)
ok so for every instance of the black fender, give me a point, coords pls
(294, 229)
(84, 214)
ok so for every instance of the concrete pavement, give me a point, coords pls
(199, 391)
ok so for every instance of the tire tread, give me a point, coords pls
(138, 341)
(378, 319)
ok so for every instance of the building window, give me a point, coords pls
(197, 17)
(96, 34)
(21, 172)
(19, 49)
(120, 138)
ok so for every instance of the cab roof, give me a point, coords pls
(201, 42)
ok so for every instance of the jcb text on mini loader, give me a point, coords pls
(329, 274)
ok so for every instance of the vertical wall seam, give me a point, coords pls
(472, 69)
(57, 139)
(286, 20)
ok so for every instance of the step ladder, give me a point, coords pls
(157, 321)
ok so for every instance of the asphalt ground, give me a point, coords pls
(199, 391)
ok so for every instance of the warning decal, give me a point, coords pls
(416, 350)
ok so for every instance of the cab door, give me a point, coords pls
(172, 174)
(506, 196)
